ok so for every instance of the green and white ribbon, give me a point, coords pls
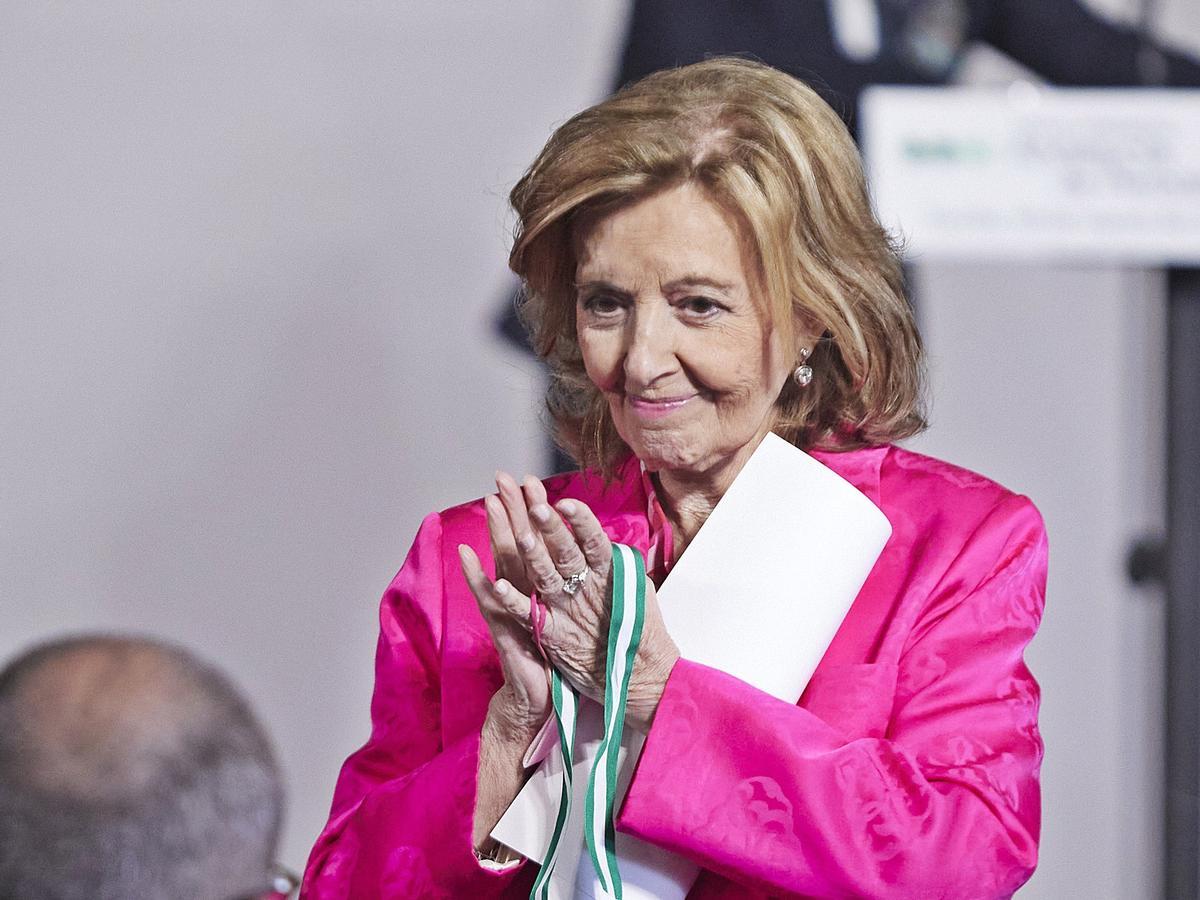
(628, 613)
(566, 713)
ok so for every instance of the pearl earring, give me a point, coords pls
(803, 375)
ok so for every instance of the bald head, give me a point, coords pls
(129, 768)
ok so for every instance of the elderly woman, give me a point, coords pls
(702, 267)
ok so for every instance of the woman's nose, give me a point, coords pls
(650, 349)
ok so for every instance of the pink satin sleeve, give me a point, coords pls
(402, 811)
(945, 803)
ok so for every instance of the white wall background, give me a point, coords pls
(249, 255)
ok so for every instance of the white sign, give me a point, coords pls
(1109, 175)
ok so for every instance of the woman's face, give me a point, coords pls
(673, 333)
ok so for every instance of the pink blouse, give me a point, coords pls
(909, 768)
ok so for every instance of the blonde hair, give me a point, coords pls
(766, 148)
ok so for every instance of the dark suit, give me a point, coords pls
(921, 42)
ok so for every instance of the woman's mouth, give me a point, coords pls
(656, 407)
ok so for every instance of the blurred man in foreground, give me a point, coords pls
(130, 769)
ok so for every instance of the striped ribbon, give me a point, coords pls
(624, 636)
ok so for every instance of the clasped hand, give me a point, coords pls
(536, 554)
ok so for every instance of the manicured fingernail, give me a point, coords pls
(501, 587)
(540, 514)
(462, 552)
(566, 507)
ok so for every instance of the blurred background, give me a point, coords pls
(252, 258)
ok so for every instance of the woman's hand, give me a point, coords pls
(519, 709)
(575, 633)
(534, 551)
(522, 705)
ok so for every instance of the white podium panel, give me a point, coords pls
(1106, 175)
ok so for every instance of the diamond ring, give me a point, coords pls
(573, 583)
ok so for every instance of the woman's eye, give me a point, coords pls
(602, 305)
(701, 307)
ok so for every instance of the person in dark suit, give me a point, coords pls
(843, 46)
